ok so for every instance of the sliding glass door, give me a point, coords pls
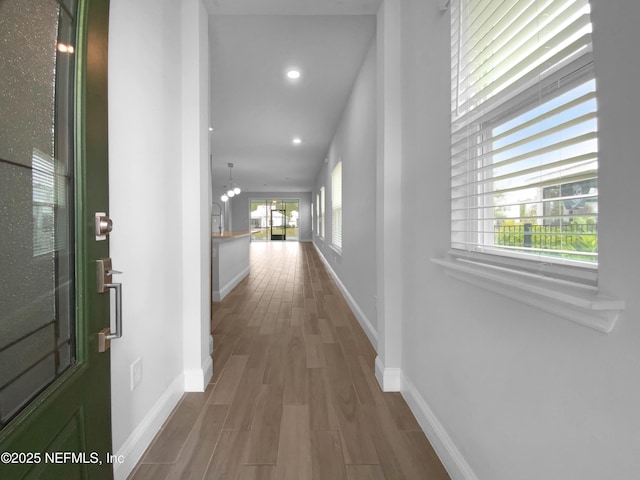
(274, 219)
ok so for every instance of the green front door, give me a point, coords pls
(55, 418)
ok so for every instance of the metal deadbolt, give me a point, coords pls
(103, 225)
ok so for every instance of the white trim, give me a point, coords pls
(390, 379)
(579, 270)
(197, 380)
(364, 322)
(444, 5)
(575, 303)
(218, 295)
(336, 250)
(135, 445)
(449, 455)
(207, 370)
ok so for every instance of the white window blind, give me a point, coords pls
(336, 206)
(49, 201)
(524, 150)
(321, 222)
(318, 214)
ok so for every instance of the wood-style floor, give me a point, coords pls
(293, 394)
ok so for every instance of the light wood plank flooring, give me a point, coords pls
(293, 395)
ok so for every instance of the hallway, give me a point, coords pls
(293, 394)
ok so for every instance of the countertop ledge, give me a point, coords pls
(229, 235)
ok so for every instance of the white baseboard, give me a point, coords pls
(364, 322)
(449, 455)
(218, 295)
(196, 380)
(207, 370)
(140, 439)
(390, 379)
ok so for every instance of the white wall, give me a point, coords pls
(196, 196)
(230, 265)
(354, 143)
(152, 164)
(520, 393)
(226, 210)
(388, 194)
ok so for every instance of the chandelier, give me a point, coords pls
(233, 188)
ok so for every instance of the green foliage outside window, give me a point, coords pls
(580, 235)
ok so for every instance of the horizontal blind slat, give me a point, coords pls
(524, 74)
(522, 37)
(459, 145)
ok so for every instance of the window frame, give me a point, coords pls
(479, 224)
(565, 291)
(318, 214)
(336, 207)
(321, 214)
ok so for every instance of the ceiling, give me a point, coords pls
(256, 111)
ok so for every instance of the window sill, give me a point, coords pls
(578, 303)
(335, 249)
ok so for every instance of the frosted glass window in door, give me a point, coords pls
(37, 304)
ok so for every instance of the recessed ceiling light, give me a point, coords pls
(293, 74)
(211, 129)
(297, 141)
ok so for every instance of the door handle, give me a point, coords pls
(104, 273)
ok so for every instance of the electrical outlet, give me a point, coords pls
(136, 373)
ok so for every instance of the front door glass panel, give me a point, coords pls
(37, 304)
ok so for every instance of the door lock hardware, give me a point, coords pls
(104, 274)
(105, 283)
(103, 225)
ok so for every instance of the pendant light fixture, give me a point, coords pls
(233, 188)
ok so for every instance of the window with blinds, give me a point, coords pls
(49, 203)
(524, 147)
(318, 214)
(321, 214)
(336, 206)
